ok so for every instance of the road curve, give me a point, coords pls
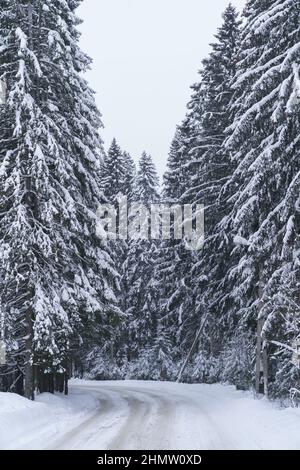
(131, 416)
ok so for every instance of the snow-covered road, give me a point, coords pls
(142, 416)
(148, 415)
(137, 415)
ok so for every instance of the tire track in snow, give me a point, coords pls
(143, 418)
(148, 424)
(109, 415)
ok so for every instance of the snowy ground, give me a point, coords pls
(146, 415)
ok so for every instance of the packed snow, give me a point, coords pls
(147, 415)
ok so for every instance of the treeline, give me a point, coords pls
(75, 303)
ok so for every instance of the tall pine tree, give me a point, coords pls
(57, 276)
(263, 221)
(197, 170)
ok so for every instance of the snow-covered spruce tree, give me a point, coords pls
(168, 274)
(213, 169)
(57, 277)
(159, 358)
(175, 177)
(263, 280)
(130, 177)
(142, 309)
(113, 173)
(197, 170)
(107, 359)
(147, 183)
(125, 261)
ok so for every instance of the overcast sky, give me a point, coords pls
(146, 55)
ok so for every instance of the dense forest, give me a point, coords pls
(73, 303)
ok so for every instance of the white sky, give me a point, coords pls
(146, 55)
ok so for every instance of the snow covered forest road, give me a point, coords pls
(146, 415)
(141, 416)
(168, 416)
(129, 417)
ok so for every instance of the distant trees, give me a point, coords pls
(117, 175)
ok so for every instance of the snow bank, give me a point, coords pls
(25, 424)
(250, 423)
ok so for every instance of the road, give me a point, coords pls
(142, 417)
(159, 416)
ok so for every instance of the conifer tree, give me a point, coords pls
(57, 276)
(175, 177)
(264, 188)
(197, 170)
(147, 180)
(114, 173)
(118, 175)
(142, 307)
(213, 169)
(130, 177)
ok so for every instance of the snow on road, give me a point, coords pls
(147, 415)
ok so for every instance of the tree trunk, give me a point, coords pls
(57, 382)
(28, 375)
(262, 375)
(66, 376)
(258, 356)
(265, 368)
(19, 383)
(51, 384)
